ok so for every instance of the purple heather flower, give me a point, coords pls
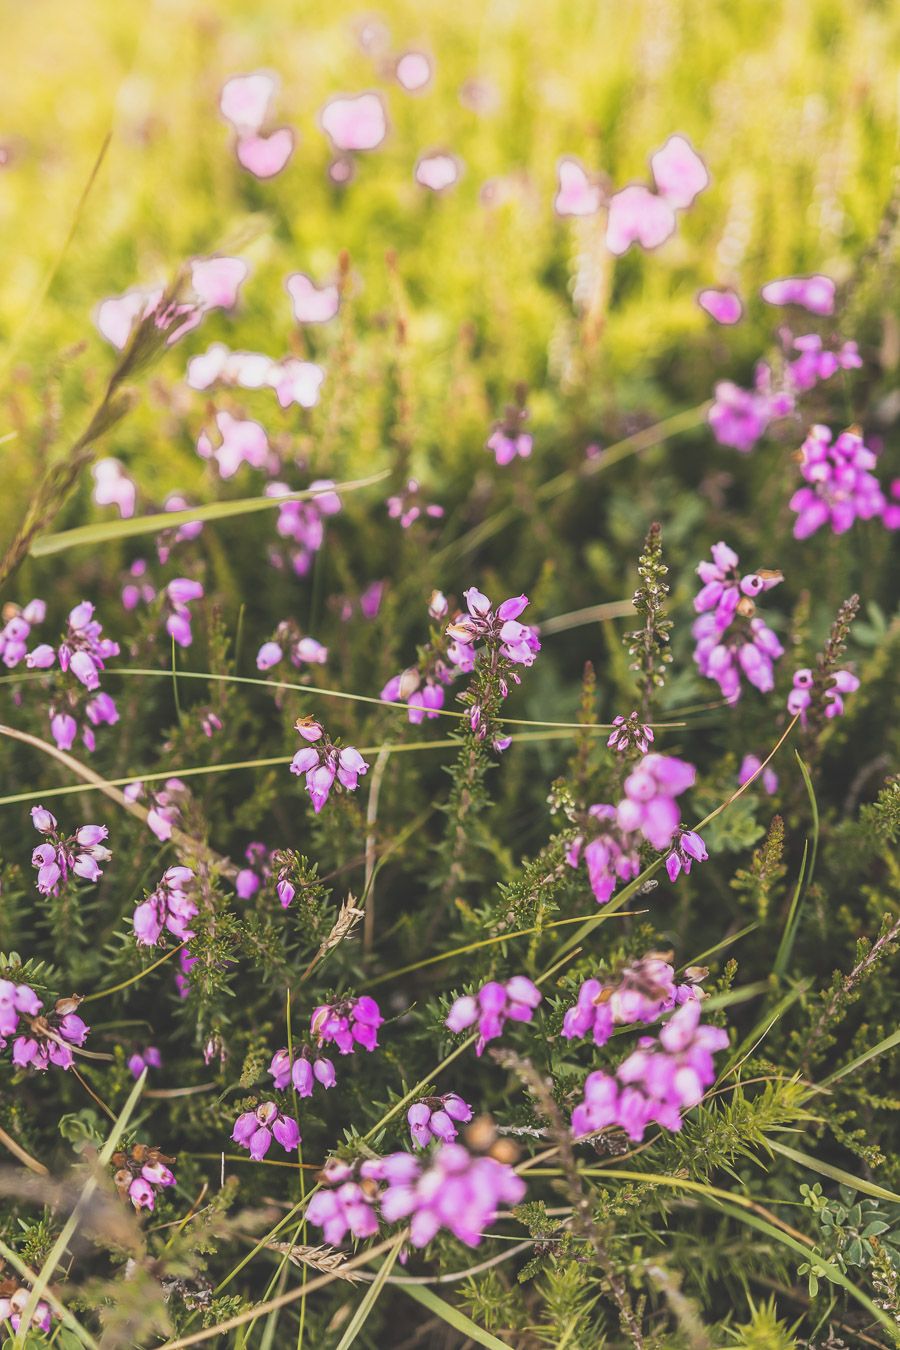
(492, 1006)
(15, 999)
(302, 1072)
(815, 293)
(661, 1078)
(13, 1305)
(62, 856)
(649, 805)
(148, 1058)
(249, 879)
(14, 638)
(641, 992)
(436, 1118)
(628, 732)
(518, 642)
(407, 507)
(342, 1205)
(347, 1023)
(164, 812)
(687, 848)
(253, 1130)
(749, 765)
(49, 1037)
(322, 764)
(609, 855)
(841, 682)
(724, 586)
(303, 523)
(454, 1189)
(169, 906)
(841, 486)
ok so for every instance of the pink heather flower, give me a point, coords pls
(723, 306)
(117, 316)
(841, 487)
(455, 1190)
(48, 1040)
(438, 171)
(169, 907)
(113, 487)
(609, 856)
(891, 514)
(739, 417)
(148, 1058)
(638, 216)
(730, 641)
(241, 442)
(816, 363)
(723, 584)
(493, 1006)
(303, 651)
(630, 732)
(15, 999)
(348, 1023)
(749, 766)
(354, 123)
(325, 763)
(342, 1205)
(253, 1130)
(245, 101)
(370, 599)
(576, 194)
(641, 992)
(216, 281)
(14, 638)
(164, 812)
(679, 172)
(517, 642)
(303, 522)
(506, 447)
(815, 293)
(251, 878)
(657, 1082)
(64, 729)
(63, 856)
(302, 1072)
(265, 156)
(413, 72)
(407, 507)
(296, 382)
(312, 304)
(687, 848)
(841, 682)
(436, 1118)
(12, 1308)
(649, 805)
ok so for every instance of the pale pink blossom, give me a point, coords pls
(437, 172)
(576, 194)
(245, 100)
(723, 306)
(265, 156)
(637, 215)
(113, 487)
(679, 172)
(357, 123)
(312, 303)
(413, 71)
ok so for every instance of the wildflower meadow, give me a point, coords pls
(449, 886)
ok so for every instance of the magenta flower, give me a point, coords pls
(749, 765)
(840, 682)
(240, 442)
(49, 1035)
(13, 1305)
(687, 848)
(649, 806)
(302, 651)
(250, 878)
(815, 293)
(302, 1072)
(724, 306)
(168, 907)
(253, 1130)
(455, 1189)
(610, 856)
(324, 763)
(576, 194)
(15, 633)
(492, 1007)
(342, 1205)
(15, 1000)
(628, 733)
(842, 488)
(408, 506)
(437, 1118)
(641, 992)
(347, 1024)
(148, 1058)
(517, 642)
(730, 639)
(662, 1078)
(63, 856)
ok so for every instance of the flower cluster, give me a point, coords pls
(630, 733)
(15, 999)
(408, 506)
(347, 1024)
(14, 1299)
(303, 523)
(815, 293)
(169, 906)
(16, 631)
(451, 1188)
(436, 1118)
(509, 439)
(302, 1072)
(649, 807)
(79, 854)
(140, 1172)
(499, 628)
(641, 992)
(253, 1130)
(731, 638)
(214, 284)
(840, 682)
(83, 651)
(178, 594)
(292, 382)
(164, 811)
(749, 766)
(301, 651)
(661, 1078)
(608, 855)
(251, 878)
(638, 215)
(245, 103)
(687, 848)
(840, 488)
(148, 1058)
(49, 1035)
(493, 1006)
(324, 762)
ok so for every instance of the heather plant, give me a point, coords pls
(450, 646)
